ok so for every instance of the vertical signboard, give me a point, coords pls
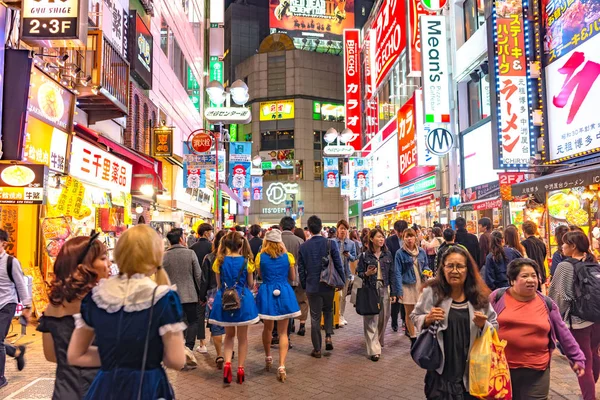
(390, 37)
(352, 86)
(371, 105)
(436, 63)
(414, 37)
(517, 145)
(422, 129)
(359, 177)
(115, 24)
(240, 154)
(141, 48)
(215, 71)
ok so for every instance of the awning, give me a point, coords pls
(85, 131)
(379, 210)
(566, 179)
(414, 203)
(126, 152)
(479, 205)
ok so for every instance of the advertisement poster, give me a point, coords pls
(300, 208)
(414, 36)
(390, 38)
(23, 183)
(331, 170)
(9, 218)
(568, 23)
(71, 197)
(517, 144)
(50, 102)
(328, 112)
(352, 83)
(277, 110)
(345, 185)
(478, 165)
(573, 90)
(45, 144)
(240, 154)
(313, 25)
(257, 188)
(197, 166)
(359, 177)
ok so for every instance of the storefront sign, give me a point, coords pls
(9, 222)
(572, 90)
(277, 110)
(97, 167)
(565, 180)
(273, 210)
(200, 141)
(517, 145)
(407, 145)
(424, 156)
(388, 198)
(162, 143)
(487, 205)
(420, 186)
(390, 38)
(568, 24)
(439, 141)
(50, 102)
(338, 150)
(228, 115)
(71, 198)
(328, 112)
(23, 183)
(435, 61)
(141, 45)
(45, 144)
(352, 84)
(215, 72)
(412, 204)
(485, 191)
(414, 36)
(434, 5)
(277, 192)
(115, 25)
(507, 179)
(331, 170)
(371, 104)
(46, 22)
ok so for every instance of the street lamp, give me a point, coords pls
(238, 92)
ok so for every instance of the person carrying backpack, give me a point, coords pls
(579, 303)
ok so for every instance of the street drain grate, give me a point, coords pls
(39, 389)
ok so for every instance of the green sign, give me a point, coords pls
(192, 82)
(423, 185)
(328, 112)
(353, 210)
(233, 132)
(215, 72)
(195, 98)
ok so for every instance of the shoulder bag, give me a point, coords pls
(230, 298)
(426, 351)
(329, 275)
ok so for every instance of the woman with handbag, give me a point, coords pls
(276, 300)
(456, 302)
(527, 319)
(81, 263)
(378, 273)
(411, 264)
(234, 306)
(137, 324)
(432, 243)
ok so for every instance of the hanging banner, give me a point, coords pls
(288, 208)
(414, 37)
(162, 141)
(240, 154)
(513, 123)
(71, 198)
(127, 220)
(352, 83)
(9, 219)
(332, 172)
(359, 173)
(300, 208)
(345, 185)
(257, 188)
(196, 167)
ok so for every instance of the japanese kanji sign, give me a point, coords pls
(9, 221)
(352, 85)
(97, 167)
(162, 143)
(390, 38)
(115, 24)
(371, 123)
(23, 183)
(517, 145)
(45, 144)
(71, 198)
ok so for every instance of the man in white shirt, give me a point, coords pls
(13, 288)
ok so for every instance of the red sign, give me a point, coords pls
(414, 36)
(507, 179)
(201, 142)
(352, 86)
(407, 144)
(371, 104)
(390, 37)
(487, 205)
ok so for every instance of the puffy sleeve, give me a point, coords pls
(171, 317)
(84, 318)
(215, 268)
(256, 262)
(291, 259)
(251, 266)
(43, 325)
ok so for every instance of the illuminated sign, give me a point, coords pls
(338, 150)
(96, 166)
(277, 192)
(23, 183)
(517, 144)
(312, 25)
(228, 115)
(277, 110)
(115, 25)
(328, 112)
(215, 71)
(45, 144)
(420, 186)
(50, 102)
(390, 38)
(352, 83)
(52, 24)
(414, 37)
(424, 156)
(435, 62)
(371, 104)
(141, 51)
(162, 143)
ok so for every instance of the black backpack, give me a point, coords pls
(586, 290)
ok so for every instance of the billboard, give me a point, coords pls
(390, 38)
(352, 92)
(414, 37)
(435, 64)
(313, 25)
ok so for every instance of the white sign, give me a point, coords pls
(256, 171)
(424, 156)
(115, 24)
(435, 61)
(277, 192)
(573, 89)
(384, 167)
(96, 166)
(478, 160)
(228, 115)
(342, 151)
(273, 210)
(440, 141)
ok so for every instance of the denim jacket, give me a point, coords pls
(404, 268)
(349, 246)
(388, 270)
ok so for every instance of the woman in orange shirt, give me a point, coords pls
(531, 325)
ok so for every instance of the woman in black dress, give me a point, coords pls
(81, 263)
(457, 300)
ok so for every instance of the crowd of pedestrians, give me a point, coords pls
(112, 336)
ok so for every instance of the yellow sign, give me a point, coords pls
(71, 198)
(276, 110)
(45, 144)
(9, 216)
(127, 213)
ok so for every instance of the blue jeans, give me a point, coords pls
(6, 315)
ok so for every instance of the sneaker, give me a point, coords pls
(342, 321)
(202, 349)
(302, 330)
(345, 321)
(21, 358)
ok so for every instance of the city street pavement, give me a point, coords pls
(344, 373)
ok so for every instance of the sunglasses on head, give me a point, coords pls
(87, 248)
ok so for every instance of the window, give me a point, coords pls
(478, 91)
(318, 142)
(277, 140)
(474, 16)
(136, 122)
(179, 64)
(318, 176)
(285, 173)
(146, 129)
(165, 34)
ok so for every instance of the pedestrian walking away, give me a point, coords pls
(276, 300)
(202, 248)
(468, 240)
(136, 323)
(394, 243)
(497, 260)
(485, 239)
(80, 264)
(535, 248)
(13, 288)
(234, 270)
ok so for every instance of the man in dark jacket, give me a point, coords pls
(468, 240)
(535, 247)
(292, 244)
(256, 241)
(203, 247)
(320, 296)
(449, 241)
(393, 244)
(485, 239)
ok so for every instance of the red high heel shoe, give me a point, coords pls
(227, 374)
(241, 375)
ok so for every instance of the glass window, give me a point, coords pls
(165, 33)
(474, 16)
(285, 140)
(136, 122)
(474, 94)
(318, 142)
(478, 90)
(277, 140)
(318, 171)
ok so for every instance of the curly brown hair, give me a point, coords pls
(72, 281)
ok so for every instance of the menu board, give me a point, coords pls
(23, 183)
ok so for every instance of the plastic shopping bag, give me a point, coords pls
(489, 375)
